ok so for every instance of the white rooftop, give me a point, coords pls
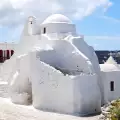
(110, 65)
(110, 61)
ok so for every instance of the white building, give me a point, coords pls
(55, 69)
(110, 73)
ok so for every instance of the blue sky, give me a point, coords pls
(105, 25)
(98, 20)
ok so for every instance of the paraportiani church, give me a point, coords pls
(55, 70)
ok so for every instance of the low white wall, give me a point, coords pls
(6, 69)
(52, 91)
(87, 94)
(20, 85)
(107, 77)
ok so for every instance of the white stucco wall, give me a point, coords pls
(107, 77)
(26, 44)
(96, 66)
(58, 28)
(31, 27)
(89, 52)
(48, 88)
(20, 85)
(52, 91)
(87, 94)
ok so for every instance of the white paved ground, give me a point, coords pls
(3, 89)
(10, 111)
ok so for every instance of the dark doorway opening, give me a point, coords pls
(44, 30)
(112, 85)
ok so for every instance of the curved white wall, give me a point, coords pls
(58, 28)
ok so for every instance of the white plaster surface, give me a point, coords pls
(64, 58)
(53, 91)
(49, 88)
(89, 52)
(110, 71)
(87, 96)
(34, 74)
(107, 77)
(10, 111)
(109, 67)
(57, 23)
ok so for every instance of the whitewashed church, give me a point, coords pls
(55, 70)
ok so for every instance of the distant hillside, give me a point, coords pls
(103, 55)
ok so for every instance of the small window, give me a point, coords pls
(112, 85)
(31, 22)
(44, 30)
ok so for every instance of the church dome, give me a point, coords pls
(57, 18)
(110, 65)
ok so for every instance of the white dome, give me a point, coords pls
(57, 18)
